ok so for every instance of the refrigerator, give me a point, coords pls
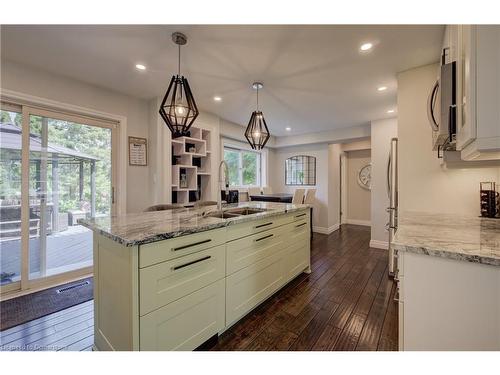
(392, 193)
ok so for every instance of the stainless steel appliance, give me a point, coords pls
(441, 105)
(392, 193)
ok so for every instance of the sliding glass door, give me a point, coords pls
(69, 179)
(10, 197)
(60, 170)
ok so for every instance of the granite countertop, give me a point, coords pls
(465, 238)
(146, 227)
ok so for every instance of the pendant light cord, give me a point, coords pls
(179, 62)
(257, 98)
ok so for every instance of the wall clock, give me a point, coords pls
(365, 177)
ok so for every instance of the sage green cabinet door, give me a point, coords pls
(185, 323)
(251, 285)
(166, 282)
(298, 248)
(248, 250)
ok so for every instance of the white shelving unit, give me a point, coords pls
(191, 157)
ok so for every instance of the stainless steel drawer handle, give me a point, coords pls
(300, 225)
(263, 238)
(301, 215)
(190, 263)
(263, 225)
(191, 245)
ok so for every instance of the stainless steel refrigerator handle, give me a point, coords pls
(389, 177)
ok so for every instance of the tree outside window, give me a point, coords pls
(244, 167)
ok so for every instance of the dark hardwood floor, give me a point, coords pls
(346, 303)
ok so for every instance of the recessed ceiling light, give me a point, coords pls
(288, 128)
(382, 88)
(390, 111)
(366, 47)
(140, 66)
(217, 98)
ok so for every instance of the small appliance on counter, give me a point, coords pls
(489, 199)
(231, 197)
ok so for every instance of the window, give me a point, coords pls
(244, 167)
(300, 170)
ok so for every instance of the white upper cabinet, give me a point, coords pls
(478, 91)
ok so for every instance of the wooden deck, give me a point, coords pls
(346, 303)
(69, 329)
(67, 250)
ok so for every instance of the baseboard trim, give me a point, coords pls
(366, 223)
(324, 230)
(379, 244)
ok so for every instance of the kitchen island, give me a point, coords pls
(171, 280)
(449, 282)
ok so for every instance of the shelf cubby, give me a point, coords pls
(195, 165)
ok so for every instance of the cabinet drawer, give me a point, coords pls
(248, 250)
(162, 251)
(252, 227)
(186, 323)
(297, 231)
(297, 257)
(250, 286)
(301, 215)
(168, 281)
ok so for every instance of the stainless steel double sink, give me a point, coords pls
(235, 212)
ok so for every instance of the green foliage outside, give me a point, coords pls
(90, 140)
(249, 167)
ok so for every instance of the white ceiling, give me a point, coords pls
(315, 78)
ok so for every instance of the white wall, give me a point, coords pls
(160, 178)
(358, 198)
(27, 80)
(425, 185)
(382, 132)
(277, 177)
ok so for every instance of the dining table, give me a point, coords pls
(275, 197)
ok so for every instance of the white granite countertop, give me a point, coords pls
(465, 238)
(146, 227)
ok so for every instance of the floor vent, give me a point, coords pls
(74, 286)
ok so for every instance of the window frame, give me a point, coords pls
(311, 173)
(240, 152)
(29, 105)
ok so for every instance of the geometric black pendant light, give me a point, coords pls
(257, 133)
(178, 108)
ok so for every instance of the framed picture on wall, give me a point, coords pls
(137, 151)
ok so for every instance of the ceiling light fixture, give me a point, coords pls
(178, 108)
(217, 98)
(288, 128)
(382, 88)
(257, 133)
(366, 47)
(140, 66)
(390, 111)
